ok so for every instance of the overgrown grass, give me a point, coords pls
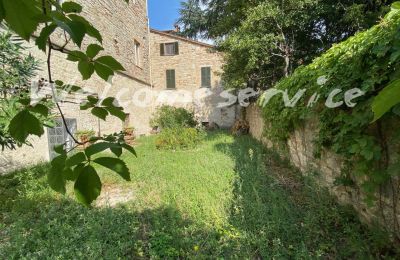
(229, 198)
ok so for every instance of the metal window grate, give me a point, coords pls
(58, 135)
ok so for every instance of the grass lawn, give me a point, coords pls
(229, 198)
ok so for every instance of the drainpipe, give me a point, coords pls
(150, 59)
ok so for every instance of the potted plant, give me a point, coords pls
(129, 133)
(84, 136)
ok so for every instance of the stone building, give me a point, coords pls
(188, 73)
(126, 37)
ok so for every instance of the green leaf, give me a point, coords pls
(2, 12)
(386, 99)
(25, 124)
(22, 16)
(104, 72)
(93, 99)
(129, 148)
(59, 161)
(90, 30)
(76, 159)
(41, 41)
(396, 5)
(40, 109)
(56, 180)
(86, 69)
(117, 112)
(59, 83)
(88, 186)
(93, 50)
(71, 7)
(108, 102)
(117, 151)
(76, 56)
(59, 149)
(98, 148)
(116, 165)
(72, 175)
(100, 113)
(111, 63)
(75, 29)
(55, 177)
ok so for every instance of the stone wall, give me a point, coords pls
(187, 65)
(120, 24)
(300, 151)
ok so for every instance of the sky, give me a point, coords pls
(163, 13)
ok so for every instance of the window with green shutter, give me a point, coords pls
(171, 79)
(169, 49)
(206, 77)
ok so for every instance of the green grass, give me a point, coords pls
(229, 198)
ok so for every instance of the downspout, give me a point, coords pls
(149, 53)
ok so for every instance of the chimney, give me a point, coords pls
(177, 28)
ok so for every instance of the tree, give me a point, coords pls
(24, 17)
(266, 40)
(15, 73)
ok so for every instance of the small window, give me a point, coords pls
(171, 79)
(169, 49)
(206, 77)
(137, 53)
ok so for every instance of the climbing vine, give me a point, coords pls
(364, 64)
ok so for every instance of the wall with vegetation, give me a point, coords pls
(356, 156)
(326, 170)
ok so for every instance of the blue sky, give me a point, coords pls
(163, 13)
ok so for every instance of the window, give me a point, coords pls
(58, 135)
(137, 53)
(169, 49)
(206, 77)
(171, 79)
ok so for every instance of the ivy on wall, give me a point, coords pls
(360, 67)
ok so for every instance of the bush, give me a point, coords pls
(172, 117)
(179, 138)
(85, 135)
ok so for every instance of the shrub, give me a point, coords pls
(179, 138)
(85, 135)
(172, 117)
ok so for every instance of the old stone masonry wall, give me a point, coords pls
(325, 170)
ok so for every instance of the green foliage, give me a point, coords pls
(228, 199)
(366, 61)
(179, 138)
(264, 41)
(20, 118)
(172, 117)
(85, 134)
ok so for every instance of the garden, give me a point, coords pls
(229, 197)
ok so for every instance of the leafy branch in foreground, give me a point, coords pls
(24, 17)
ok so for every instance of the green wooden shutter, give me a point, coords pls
(177, 48)
(162, 53)
(171, 79)
(206, 77)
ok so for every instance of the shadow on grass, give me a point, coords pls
(281, 214)
(37, 223)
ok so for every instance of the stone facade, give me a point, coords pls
(124, 26)
(188, 63)
(121, 25)
(325, 170)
